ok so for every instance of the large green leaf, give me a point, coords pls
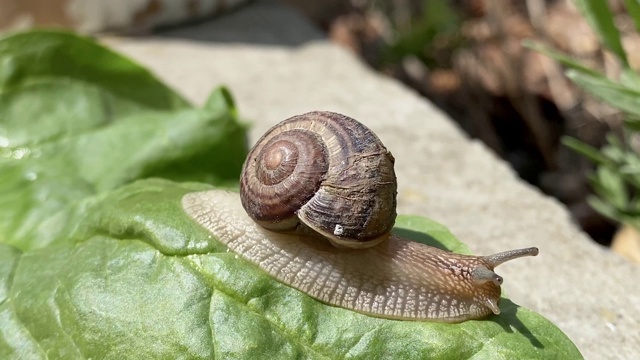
(71, 127)
(140, 277)
(98, 260)
(37, 57)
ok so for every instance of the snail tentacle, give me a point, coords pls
(502, 257)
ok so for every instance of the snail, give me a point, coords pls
(316, 209)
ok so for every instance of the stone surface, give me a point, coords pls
(277, 65)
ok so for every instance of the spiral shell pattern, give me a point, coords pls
(325, 173)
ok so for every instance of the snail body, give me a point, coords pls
(362, 266)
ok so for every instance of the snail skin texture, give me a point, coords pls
(363, 266)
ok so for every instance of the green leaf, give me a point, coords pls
(604, 208)
(630, 79)
(631, 169)
(617, 95)
(436, 29)
(589, 151)
(614, 153)
(633, 7)
(177, 145)
(43, 56)
(560, 57)
(632, 123)
(600, 18)
(73, 127)
(140, 277)
(611, 186)
(614, 141)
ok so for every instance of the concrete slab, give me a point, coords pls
(277, 65)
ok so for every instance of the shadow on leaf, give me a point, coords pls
(509, 321)
(419, 237)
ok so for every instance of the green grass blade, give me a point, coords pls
(600, 18)
(633, 7)
(603, 208)
(617, 95)
(558, 56)
(613, 185)
(590, 152)
(632, 123)
(630, 79)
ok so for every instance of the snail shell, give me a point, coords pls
(322, 173)
(396, 278)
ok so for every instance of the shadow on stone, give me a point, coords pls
(257, 23)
